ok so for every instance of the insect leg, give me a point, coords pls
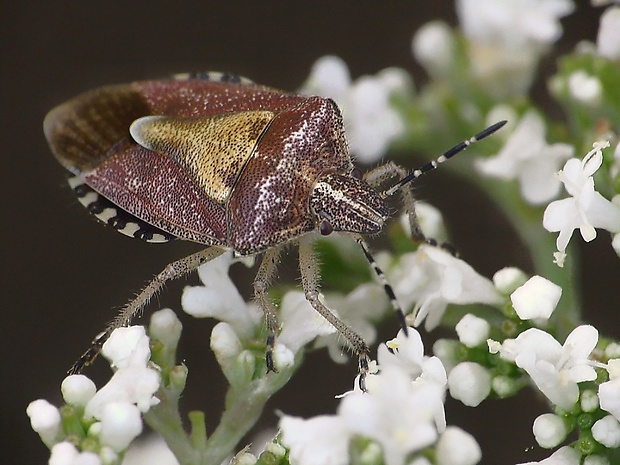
(263, 279)
(398, 311)
(134, 307)
(310, 282)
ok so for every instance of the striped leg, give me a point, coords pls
(398, 311)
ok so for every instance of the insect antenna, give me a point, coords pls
(430, 166)
(400, 315)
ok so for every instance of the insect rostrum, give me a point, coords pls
(221, 161)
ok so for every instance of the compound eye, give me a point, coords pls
(356, 173)
(325, 228)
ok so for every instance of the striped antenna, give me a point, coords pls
(448, 154)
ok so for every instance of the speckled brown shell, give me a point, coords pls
(226, 163)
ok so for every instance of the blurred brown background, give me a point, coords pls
(63, 274)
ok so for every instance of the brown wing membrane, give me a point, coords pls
(82, 131)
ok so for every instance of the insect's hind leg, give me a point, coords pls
(263, 279)
(132, 309)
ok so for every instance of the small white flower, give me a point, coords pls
(555, 369)
(322, 440)
(219, 298)
(166, 327)
(433, 48)
(528, 158)
(395, 413)
(457, 447)
(586, 209)
(65, 453)
(607, 432)
(134, 382)
(537, 298)
(77, 390)
(406, 352)
(472, 330)
(225, 343)
(44, 419)
(585, 88)
(608, 39)
(549, 430)
(151, 450)
(470, 383)
(589, 400)
(508, 279)
(432, 278)
(563, 456)
(121, 423)
(372, 124)
(126, 347)
(609, 397)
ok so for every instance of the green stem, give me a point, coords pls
(243, 408)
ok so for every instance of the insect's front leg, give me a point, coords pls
(310, 282)
(264, 277)
(134, 307)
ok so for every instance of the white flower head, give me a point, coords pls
(126, 347)
(406, 352)
(77, 390)
(219, 298)
(528, 158)
(607, 432)
(537, 298)
(134, 382)
(44, 419)
(121, 423)
(586, 209)
(608, 39)
(432, 278)
(549, 430)
(585, 88)
(457, 447)
(322, 440)
(472, 330)
(470, 383)
(609, 391)
(372, 124)
(433, 47)
(397, 414)
(506, 39)
(555, 369)
(151, 450)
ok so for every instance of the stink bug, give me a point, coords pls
(221, 161)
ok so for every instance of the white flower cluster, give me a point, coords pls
(527, 157)
(402, 412)
(112, 415)
(507, 38)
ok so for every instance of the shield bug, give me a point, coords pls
(221, 161)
